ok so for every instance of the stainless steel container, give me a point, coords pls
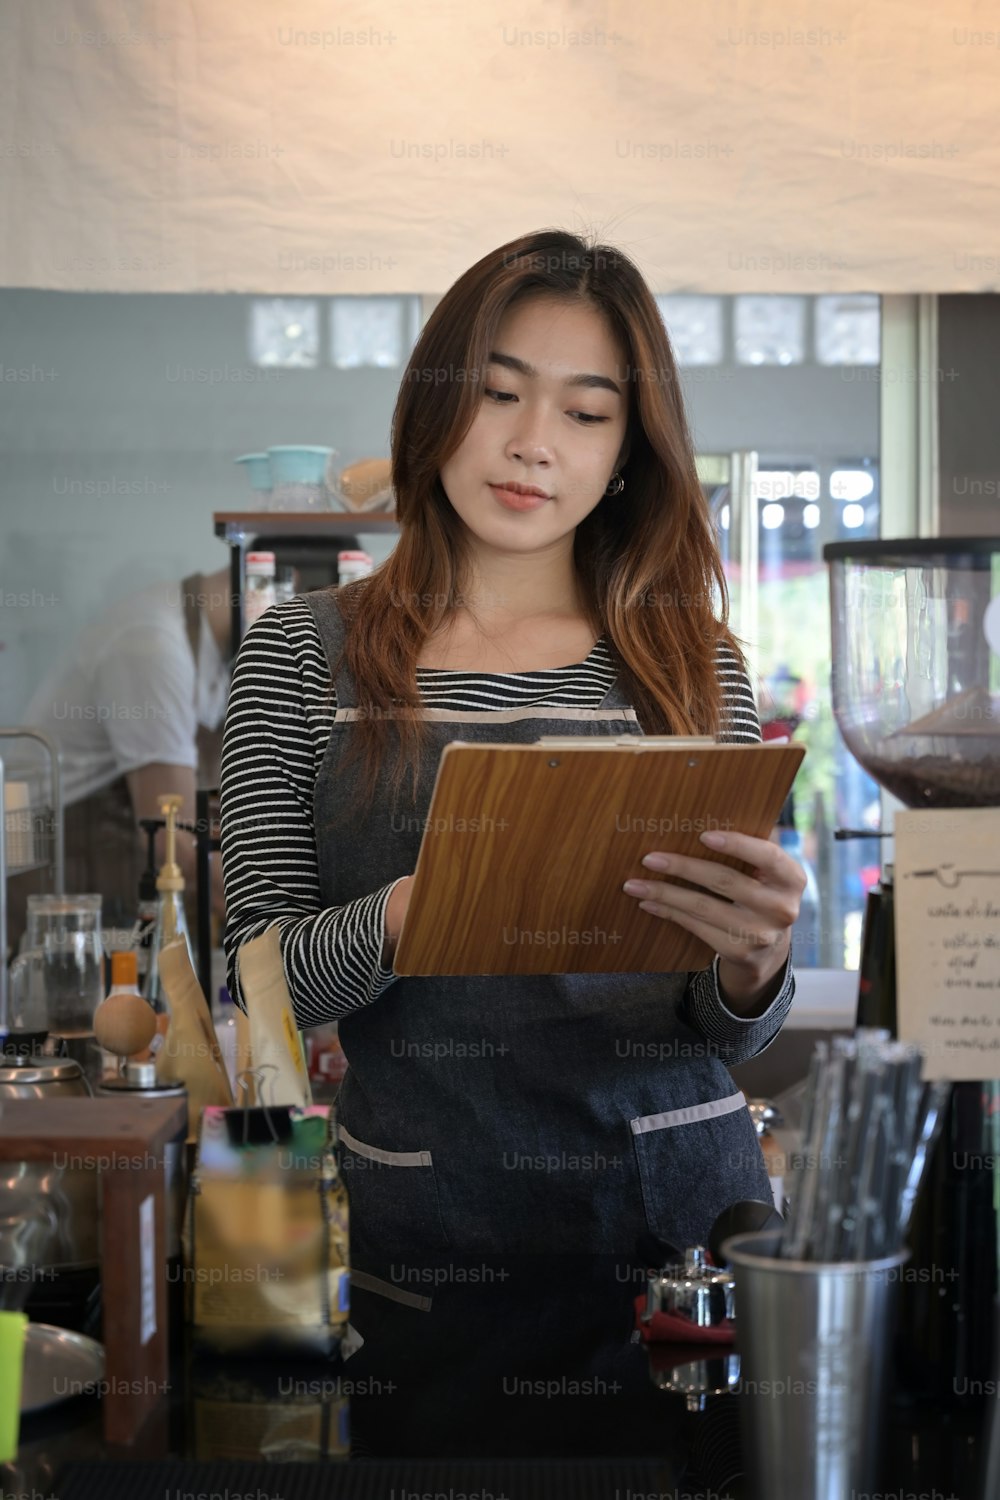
(48, 1210)
(814, 1343)
(139, 1081)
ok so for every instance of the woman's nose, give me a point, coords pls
(528, 453)
(530, 442)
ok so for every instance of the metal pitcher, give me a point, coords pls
(68, 1194)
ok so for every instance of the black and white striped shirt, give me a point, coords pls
(281, 708)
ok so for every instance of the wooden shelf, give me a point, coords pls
(297, 534)
(237, 525)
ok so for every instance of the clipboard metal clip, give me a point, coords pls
(258, 1125)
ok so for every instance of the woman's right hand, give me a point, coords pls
(395, 911)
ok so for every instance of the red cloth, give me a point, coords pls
(668, 1328)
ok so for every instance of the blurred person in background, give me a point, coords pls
(136, 710)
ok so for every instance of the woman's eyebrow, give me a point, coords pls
(521, 366)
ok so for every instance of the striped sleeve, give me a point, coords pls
(737, 1037)
(277, 726)
(741, 724)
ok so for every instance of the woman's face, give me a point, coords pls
(552, 418)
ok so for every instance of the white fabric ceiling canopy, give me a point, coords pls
(309, 147)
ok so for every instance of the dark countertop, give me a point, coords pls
(494, 1380)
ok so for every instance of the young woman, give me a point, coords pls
(556, 573)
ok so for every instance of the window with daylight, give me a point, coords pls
(284, 332)
(374, 331)
(770, 330)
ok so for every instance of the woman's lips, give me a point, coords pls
(513, 501)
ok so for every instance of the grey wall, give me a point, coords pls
(120, 418)
(118, 432)
(969, 411)
(805, 412)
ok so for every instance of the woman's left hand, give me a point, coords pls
(745, 918)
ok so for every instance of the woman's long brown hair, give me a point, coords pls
(648, 565)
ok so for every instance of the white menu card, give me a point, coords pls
(947, 918)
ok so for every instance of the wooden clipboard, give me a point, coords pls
(526, 848)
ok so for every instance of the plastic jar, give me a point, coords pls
(352, 565)
(259, 592)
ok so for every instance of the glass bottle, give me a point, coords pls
(877, 970)
(171, 921)
(259, 592)
(352, 565)
(145, 925)
(945, 1343)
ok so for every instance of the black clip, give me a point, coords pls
(263, 1125)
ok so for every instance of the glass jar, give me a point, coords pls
(57, 981)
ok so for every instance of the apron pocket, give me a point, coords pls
(393, 1198)
(695, 1162)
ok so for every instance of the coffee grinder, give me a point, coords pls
(916, 695)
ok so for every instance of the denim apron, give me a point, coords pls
(574, 1113)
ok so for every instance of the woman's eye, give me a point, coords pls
(503, 398)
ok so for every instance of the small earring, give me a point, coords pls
(616, 485)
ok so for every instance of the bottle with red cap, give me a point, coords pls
(352, 565)
(259, 592)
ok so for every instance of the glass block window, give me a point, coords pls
(848, 329)
(373, 331)
(770, 330)
(284, 332)
(695, 328)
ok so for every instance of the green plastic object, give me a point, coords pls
(13, 1326)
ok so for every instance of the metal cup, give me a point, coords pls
(815, 1340)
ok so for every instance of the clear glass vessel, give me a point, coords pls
(916, 665)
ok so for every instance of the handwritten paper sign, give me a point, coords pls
(947, 910)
